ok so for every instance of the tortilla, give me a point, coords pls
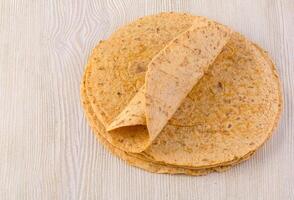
(228, 114)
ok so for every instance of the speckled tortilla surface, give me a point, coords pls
(230, 112)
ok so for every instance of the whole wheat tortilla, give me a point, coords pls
(228, 114)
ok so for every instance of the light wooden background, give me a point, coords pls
(47, 150)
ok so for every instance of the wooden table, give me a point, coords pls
(47, 150)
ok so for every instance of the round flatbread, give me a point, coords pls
(229, 113)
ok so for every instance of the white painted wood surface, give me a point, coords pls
(47, 150)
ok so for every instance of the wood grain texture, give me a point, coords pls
(47, 150)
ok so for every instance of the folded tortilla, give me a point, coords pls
(228, 114)
(171, 75)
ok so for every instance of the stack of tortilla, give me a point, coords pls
(176, 93)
